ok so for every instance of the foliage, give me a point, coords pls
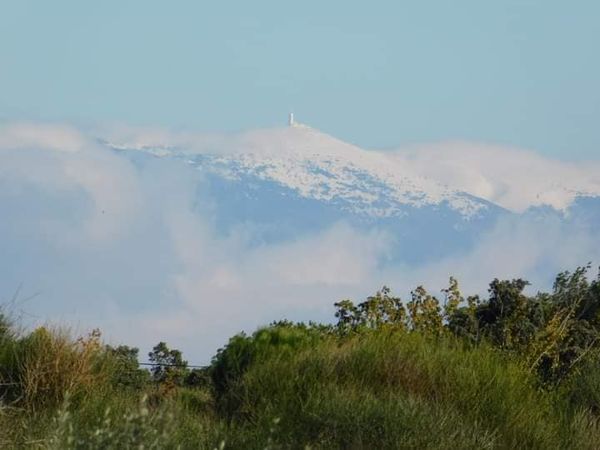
(232, 361)
(397, 390)
(39, 369)
(5, 328)
(572, 331)
(448, 371)
(139, 428)
(583, 389)
(551, 332)
(125, 370)
(425, 312)
(381, 309)
(169, 366)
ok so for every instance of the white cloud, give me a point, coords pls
(531, 248)
(513, 178)
(61, 138)
(58, 158)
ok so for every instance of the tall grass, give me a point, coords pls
(39, 369)
(398, 390)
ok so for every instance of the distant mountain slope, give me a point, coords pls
(291, 181)
(468, 176)
(320, 167)
(288, 182)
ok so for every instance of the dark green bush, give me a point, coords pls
(231, 361)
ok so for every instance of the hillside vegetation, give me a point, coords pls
(508, 371)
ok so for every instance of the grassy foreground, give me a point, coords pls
(463, 374)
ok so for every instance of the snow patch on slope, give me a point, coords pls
(467, 176)
(320, 167)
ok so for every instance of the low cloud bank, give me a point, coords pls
(129, 248)
(515, 179)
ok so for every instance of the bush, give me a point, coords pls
(397, 390)
(231, 362)
(122, 364)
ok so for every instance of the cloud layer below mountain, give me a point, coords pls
(106, 242)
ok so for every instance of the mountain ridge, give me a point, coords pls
(324, 168)
(468, 177)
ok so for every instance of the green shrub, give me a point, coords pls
(397, 390)
(122, 365)
(231, 362)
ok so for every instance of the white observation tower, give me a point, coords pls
(291, 119)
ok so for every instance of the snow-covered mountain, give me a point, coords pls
(320, 167)
(288, 181)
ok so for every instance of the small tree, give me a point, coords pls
(572, 330)
(425, 312)
(346, 314)
(126, 370)
(509, 319)
(381, 309)
(453, 299)
(169, 366)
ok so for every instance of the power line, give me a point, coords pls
(190, 366)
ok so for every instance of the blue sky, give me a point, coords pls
(379, 74)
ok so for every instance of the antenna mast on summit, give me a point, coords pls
(291, 119)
